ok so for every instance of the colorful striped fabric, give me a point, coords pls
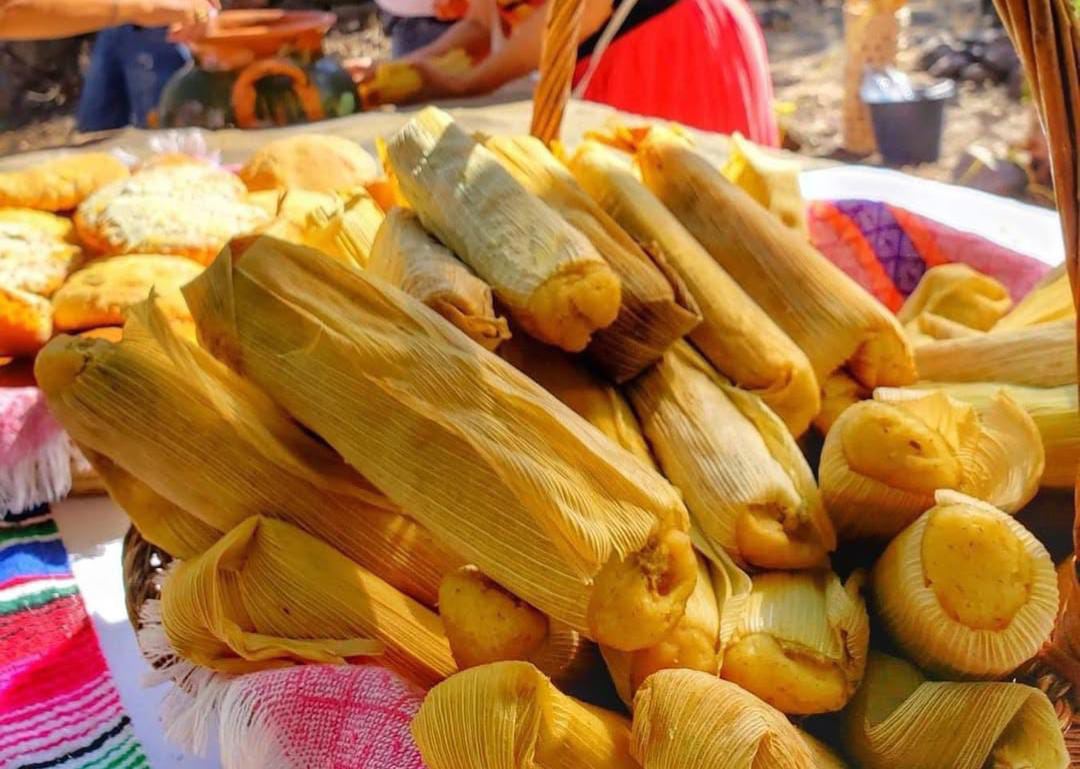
(58, 705)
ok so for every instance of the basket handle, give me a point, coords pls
(558, 59)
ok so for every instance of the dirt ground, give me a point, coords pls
(806, 54)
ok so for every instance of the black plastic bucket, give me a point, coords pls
(910, 131)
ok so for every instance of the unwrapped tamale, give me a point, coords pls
(268, 595)
(748, 487)
(406, 256)
(547, 274)
(735, 335)
(834, 321)
(493, 465)
(655, 310)
(211, 443)
(686, 718)
(508, 715)
(1039, 356)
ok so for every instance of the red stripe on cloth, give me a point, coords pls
(31, 631)
(58, 670)
(925, 241)
(841, 241)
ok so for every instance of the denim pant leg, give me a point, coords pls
(149, 61)
(407, 33)
(103, 103)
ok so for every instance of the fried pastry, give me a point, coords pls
(60, 184)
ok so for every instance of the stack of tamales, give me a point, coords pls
(530, 434)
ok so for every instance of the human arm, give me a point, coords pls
(46, 19)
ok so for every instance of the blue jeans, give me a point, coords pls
(407, 33)
(129, 67)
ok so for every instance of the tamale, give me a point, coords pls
(395, 82)
(295, 212)
(928, 327)
(655, 310)
(1039, 356)
(958, 293)
(593, 399)
(1053, 409)
(769, 178)
(801, 645)
(1050, 300)
(486, 623)
(159, 521)
(898, 718)
(748, 487)
(686, 718)
(494, 466)
(826, 313)
(692, 644)
(508, 715)
(824, 756)
(197, 434)
(735, 335)
(347, 235)
(547, 274)
(838, 393)
(965, 590)
(407, 257)
(268, 595)
(884, 459)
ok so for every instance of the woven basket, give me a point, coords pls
(1054, 83)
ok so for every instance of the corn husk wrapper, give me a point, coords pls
(824, 756)
(1054, 411)
(508, 715)
(748, 487)
(548, 275)
(834, 321)
(740, 340)
(268, 595)
(655, 310)
(407, 257)
(884, 459)
(212, 444)
(929, 327)
(770, 179)
(1049, 301)
(1039, 356)
(694, 643)
(593, 399)
(898, 718)
(838, 393)
(541, 501)
(158, 520)
(966, 591)
(686, 718)
(801, 645)
(346, 234)
(486, 623)
(958, 293)
(295, 212)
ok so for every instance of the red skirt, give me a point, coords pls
(701, 62)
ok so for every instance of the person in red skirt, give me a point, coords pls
(698, 62)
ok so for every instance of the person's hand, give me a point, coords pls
(440, 84)
(362, 68)
(188, 18)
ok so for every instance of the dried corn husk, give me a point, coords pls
(486, 623)
(801, 645)
(348, 235)
(884, 459)
(1050, 300)
(966, 590)
(927, 327)
(1040, 356)
(268, 595)
(898, 718)
(159, 521)
(1054, 411)
(593, 399)
(655, 311)
(541, 501)
(735, 335)
(745, 481)
(295, 212)
(827, 314)
(958, 293)
(174, 418)
(694, 643)
(551, 279)
(407, 257)
(824, 756)
(508, 715)
(838, 393)
(770, 179)
(686, 718)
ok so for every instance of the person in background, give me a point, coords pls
(413, 24)
(132, 57)
(699, 62)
